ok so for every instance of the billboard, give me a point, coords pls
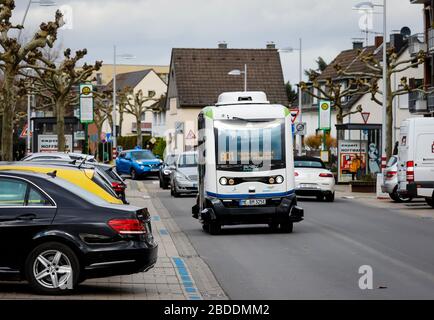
(48, 143)
(352, 161)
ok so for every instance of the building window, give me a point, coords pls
(173, 102)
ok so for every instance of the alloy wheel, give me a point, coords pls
(52, 269)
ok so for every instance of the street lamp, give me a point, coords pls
(384, 113)
(42, 3)
(237, 72)
(122, 56)
(300, 117)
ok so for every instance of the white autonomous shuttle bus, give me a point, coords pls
(246, 164)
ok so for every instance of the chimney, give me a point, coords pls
(271, 45)
(397, 41)
(357, 44)
(378, 41)
(99, 79)
(223, 45)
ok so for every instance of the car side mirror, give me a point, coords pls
(172, 167)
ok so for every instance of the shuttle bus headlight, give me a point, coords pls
(223, 181)
(231, 182)
(279, 179)
(271, 180)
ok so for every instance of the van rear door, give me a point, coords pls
(424, 154)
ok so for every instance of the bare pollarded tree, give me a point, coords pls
(375, 74)
(57, 84)
(137, 105)
(13, 58)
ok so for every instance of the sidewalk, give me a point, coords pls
(417, 208)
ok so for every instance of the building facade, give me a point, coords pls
(148, 81)
(419, 102)
(350, 62)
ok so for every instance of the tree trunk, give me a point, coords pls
(99, 131)
(340, 120)
(121, 119)
(139, 131)
(9, 100)
(60, 114)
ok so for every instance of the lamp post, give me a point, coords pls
(385, 84)
(115, 56)
(42, 3)
(237, 72)
(300, 100)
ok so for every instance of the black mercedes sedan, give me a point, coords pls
(55, 235)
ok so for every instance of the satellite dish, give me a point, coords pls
(406, 32)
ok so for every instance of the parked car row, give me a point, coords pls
(65, 221)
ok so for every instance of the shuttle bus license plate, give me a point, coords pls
(253, 202)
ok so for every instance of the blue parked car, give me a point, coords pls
(138, 163)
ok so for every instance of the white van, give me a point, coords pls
(246, 164)
(416, 158)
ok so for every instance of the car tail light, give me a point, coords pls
(118, 187)
(296, 173)
(326, 175)
(127, 226)
(410, 171)
(391, 174)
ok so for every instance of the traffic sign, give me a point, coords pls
(191, 135)
(365, 116)
(108, 137)
(294, 114)
(300, 129)
(86, 103)
(324, 117)
(24, 132)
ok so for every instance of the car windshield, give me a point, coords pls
(170, 159)
(250, 146)
(309, 164)
(187, 160)
(142, 155)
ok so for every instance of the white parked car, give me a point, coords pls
(313, 179)
(390, 181)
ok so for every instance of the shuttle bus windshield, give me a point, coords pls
(250, 146)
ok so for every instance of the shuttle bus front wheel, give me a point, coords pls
(287, 227)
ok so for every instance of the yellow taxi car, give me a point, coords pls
(83, 178)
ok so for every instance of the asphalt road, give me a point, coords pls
(321, 258)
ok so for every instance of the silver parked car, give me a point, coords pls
(59, 156)
(184, 175)
(390, 181)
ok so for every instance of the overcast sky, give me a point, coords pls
(149, 29)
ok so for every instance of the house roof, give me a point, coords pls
(201, 75)
(129, 79)
(349, 61)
